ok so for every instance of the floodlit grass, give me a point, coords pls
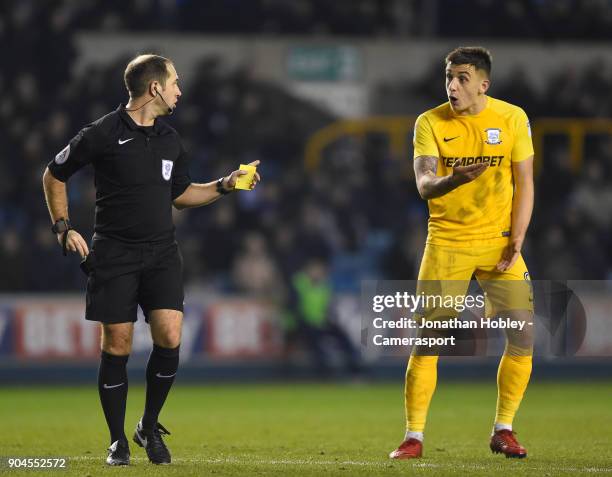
(316, 429)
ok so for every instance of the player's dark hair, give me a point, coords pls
(142, 70)
(476, 56)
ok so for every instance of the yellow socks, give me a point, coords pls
(421, 377)
(512, 379)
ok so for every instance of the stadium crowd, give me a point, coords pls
(359, 212)
(545, 19)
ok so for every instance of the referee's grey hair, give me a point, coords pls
(142, 70)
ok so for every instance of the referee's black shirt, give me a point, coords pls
(138, 172)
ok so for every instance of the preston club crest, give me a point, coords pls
(167, 169)
(493, 136)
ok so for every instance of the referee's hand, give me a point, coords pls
(233, 177)
(74, 242)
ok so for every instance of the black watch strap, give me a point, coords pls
(64, 239)
(220, 189)
(61, 225)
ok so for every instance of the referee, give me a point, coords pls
(141, 170)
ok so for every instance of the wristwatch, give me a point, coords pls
(220, 189)
(61, 225)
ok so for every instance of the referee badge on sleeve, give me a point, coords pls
(62, 156)
(167, 169)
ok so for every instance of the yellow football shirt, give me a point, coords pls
(479, 210)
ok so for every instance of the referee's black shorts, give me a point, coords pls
(122, 276)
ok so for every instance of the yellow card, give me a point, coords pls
(244, 182)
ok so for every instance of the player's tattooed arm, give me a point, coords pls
(431, 186)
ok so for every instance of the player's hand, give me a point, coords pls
(74, 243)
(510, 255)
(464, 174)
(230, 183)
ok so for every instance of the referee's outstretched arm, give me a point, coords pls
(196, 195)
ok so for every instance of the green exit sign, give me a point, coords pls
(324, 63)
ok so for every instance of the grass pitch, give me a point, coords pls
(310, 429)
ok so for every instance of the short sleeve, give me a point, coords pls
(181, 178)
(523, 146)
(424, 141)
(80, 151)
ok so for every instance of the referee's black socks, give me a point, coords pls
(161, 370)
(113, 388)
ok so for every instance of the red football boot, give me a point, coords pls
(410, 449)
(504, 441)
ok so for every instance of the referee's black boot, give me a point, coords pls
(152, 441)
(119, 453)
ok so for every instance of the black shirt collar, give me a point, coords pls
(157, 128)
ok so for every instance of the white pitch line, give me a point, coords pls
(248, 461)
(432, 465)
